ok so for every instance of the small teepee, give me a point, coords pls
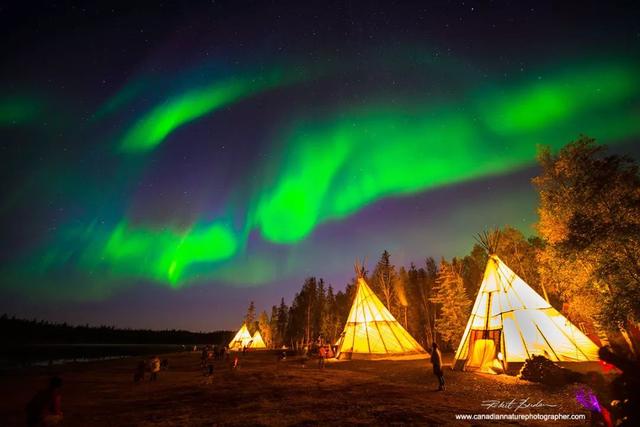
(241, 339)
(371, 331)
(257, 342)
(510, 322)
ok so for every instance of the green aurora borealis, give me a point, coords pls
(330, 166)
(493, 134)
(154, 127)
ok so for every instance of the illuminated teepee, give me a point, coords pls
(257, 342)
(371, 331)
(242, 339)
(510, 322)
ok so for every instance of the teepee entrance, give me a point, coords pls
(484, 350)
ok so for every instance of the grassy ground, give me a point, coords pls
(264, 392)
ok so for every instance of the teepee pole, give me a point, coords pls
(547, 341)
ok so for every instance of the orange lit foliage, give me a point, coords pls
(590, 219)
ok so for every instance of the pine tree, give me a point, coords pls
(424, 280)
(450, 295)
(319, 308)
(329, 327)
(265, 328)
(343, 302)
(273, 324)
(305, 302)
(382, 282)
(283, 322)
(250, 317)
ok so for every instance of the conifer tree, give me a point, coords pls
(382, 282)
(273, 324)
(282, 322)
(250, 317)
(454, 304)
(265, 328)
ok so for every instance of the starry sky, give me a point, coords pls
(165, 165)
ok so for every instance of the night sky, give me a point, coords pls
(163, 166)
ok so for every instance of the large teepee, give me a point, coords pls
(510, 322)
(371, 331)
(241, 339)
(257, 342)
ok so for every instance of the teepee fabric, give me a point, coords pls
(242, 339)
(371, 331)
(512, 322)
(257, 342)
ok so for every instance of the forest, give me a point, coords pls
(24, 332)
(584, 259)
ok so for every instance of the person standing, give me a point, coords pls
(322, 354)
(203, 358)
(45, 408)
(154, 368)
(236, 362)
(436, 361)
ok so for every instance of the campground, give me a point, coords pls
(263, 391)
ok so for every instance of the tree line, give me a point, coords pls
(584, 259)
(21, 332)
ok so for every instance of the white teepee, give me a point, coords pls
(510, 322)
(371, 331)
(257, 342)
(241, 339)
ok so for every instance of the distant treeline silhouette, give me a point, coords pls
(20, 331)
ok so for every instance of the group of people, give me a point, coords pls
(44, 409)
(152, 365)
(210, 354)
(217, 352)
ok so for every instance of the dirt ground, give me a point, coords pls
(265, 392)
